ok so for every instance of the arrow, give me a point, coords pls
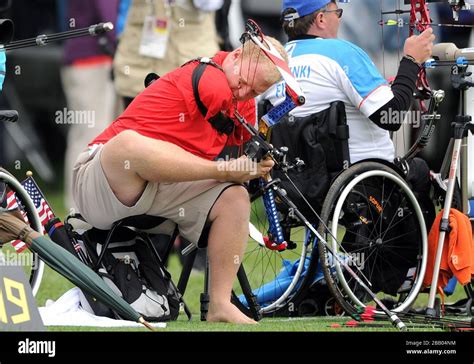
(402, 23)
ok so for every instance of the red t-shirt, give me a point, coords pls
(167, 110)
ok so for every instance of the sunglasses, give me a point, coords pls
(338, 12)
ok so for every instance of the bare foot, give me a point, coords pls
(227, 312)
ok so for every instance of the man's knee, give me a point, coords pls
(236, 195)
(120, 151)
(126, 142)
(235, 200)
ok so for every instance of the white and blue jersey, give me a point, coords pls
(331, 70)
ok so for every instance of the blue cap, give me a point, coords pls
(302, 7)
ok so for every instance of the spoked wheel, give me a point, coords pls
(380, 233)
(32, 265)
(278, 278)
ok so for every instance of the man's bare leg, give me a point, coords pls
(227, 240)
(130, 160)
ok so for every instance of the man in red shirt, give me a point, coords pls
(157, 159)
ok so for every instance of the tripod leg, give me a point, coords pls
(254, 307)
(444, 228)
(205, 293)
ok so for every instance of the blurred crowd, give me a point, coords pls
(100, 76)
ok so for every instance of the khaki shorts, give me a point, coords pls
(186, 203)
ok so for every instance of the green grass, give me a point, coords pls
(54, 285)
(309, 324)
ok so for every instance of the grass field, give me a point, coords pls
(54, 285)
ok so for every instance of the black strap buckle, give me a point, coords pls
(220, 122)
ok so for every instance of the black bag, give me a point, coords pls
(133, 268)
(321, 141)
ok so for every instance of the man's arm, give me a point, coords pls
(403, 89)
(417, 50)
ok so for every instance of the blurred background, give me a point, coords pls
(45, 83)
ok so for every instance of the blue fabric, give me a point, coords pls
(451, 287)
(357, 65)
(471, 208)
(3, 60)
(269, 292)
(304, 7)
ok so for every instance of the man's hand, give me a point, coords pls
(420, 46)
(244, 169)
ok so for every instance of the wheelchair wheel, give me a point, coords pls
(32, 265)
(380, 230)
(277, 278)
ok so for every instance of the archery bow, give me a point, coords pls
(294, 98)
(419, 21)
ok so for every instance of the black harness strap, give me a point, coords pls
(220, 122)
(197, 74)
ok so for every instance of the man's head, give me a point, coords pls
(250, 72)
(313, 17)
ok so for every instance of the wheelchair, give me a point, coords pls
(367, 213)
(10, 187)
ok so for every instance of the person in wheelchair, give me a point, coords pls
(157, 159)
(331, 70)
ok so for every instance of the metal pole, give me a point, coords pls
(444, 225)
(43, 39)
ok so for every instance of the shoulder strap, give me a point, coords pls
(197, 74)
(220, 122)
(196, 77)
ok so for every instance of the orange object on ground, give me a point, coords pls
(458, 251)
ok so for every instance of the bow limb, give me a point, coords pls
(294, 94)
(254, 33)
(420, 20)
(419, 16)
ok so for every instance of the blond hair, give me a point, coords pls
(255, 54)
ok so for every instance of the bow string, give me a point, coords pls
(294, 94)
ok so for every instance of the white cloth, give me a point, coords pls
(67, 311)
